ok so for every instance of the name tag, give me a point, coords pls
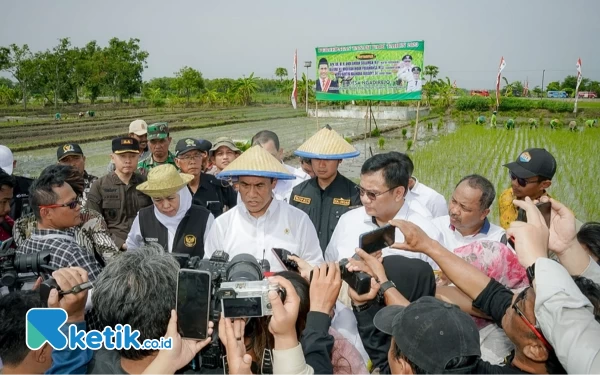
(303, 200)
(341, 201)
(150, 239)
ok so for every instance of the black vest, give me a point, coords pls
(189, 238)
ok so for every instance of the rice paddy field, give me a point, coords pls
(484, 150)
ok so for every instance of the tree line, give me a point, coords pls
(67, 74)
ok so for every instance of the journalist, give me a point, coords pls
(16, 356)
(138, 288)
(57, 207)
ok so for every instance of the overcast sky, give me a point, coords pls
(231, 38)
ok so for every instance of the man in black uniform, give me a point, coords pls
(72, 154)
(207, 190)
(329, 195)
(19, 205)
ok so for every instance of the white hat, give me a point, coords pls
(256, 161)
(327, 144)
(138, 127)
(6, 159)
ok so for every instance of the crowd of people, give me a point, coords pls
(453, 293)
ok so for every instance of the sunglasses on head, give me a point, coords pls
(71, 205)
(535, 329)
(522, 181)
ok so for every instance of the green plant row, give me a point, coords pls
(483, 104)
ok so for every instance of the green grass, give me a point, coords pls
(474, 149)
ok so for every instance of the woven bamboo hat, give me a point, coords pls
(327, 144)
(163, 181)
(256, 161)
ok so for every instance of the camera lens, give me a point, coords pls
(32, 262)
(244, 267)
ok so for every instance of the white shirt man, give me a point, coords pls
(261, 222)
(356, 222)
(414, 86)
(281, 226)
(467, 221)
(431, 199)
(453, 239)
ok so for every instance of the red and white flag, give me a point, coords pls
(526, 88)
(500, 69)
(579, 78)
(454, 84)
(295, 89)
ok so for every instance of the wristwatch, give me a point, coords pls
(385, 286)
(362, 307)
(531, 273)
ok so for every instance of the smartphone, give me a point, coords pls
(545, 209)
(193, 303)
(377, 239)
(282, 257)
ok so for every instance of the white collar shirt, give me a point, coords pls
(352, 224)
(281, 226)
(453, 239)
(431, 199)
(415, 205)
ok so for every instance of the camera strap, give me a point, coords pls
(267, 362)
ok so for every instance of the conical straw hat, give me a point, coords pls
(327, 144)
(256, 161)
(163, 181)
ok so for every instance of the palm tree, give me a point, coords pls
(281, 72)
(432, 71)
(245, 88)
(210, 97)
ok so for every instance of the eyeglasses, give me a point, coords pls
(372, 196)
(534, 329)
(190, 157)
(72, 205)
(521, 181)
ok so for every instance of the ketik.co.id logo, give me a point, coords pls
(44, 325)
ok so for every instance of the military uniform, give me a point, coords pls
(324, 207)
(118, 203)
(145, 165)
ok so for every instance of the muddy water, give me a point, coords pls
(292, 133)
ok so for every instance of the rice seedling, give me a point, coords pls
(476, 149)
(381, 143)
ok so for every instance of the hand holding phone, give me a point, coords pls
(193, 303)
(377, 239)
(544, 207)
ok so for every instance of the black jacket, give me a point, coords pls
(317, 343)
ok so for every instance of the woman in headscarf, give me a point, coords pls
(172, 221)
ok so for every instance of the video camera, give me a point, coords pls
(238, 290)
(13, 265)
(359, 281)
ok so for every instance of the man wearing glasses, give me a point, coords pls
(531, 174)
(56, 207)
(383, 187)
(207, 190)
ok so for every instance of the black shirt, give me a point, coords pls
(493, 301)
(214, 195)
(325, 207)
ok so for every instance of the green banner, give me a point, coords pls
(376, 71)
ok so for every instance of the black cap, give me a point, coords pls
(430, 333)
(407, 56)
(68, 149)
(189, 144)
(416, 69)
(122, 145)
(533, 162)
